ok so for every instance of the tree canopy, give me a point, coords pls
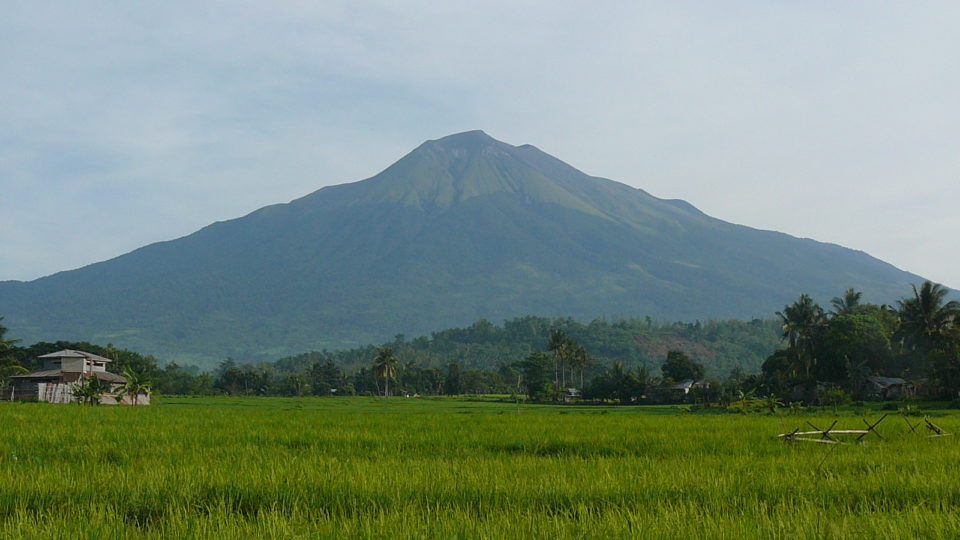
(919, 341)
(679, 367)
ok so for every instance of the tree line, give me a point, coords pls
(917, 340)
(477, 359)
(826, 356)
(806, 351)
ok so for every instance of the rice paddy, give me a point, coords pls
(442, 468)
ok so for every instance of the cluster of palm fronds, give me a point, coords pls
(918, 339)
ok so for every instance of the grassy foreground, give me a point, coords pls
(362, 467)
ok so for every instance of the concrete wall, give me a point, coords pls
(73, 365)
(51, 363)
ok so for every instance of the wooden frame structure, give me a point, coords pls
(937, 430)
(829, 435)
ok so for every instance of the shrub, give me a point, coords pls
(833, 397)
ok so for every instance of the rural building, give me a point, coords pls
(60, 372)
(685, 386)
(888, 387)
(571, 394)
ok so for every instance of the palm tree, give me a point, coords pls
(847, 304)
(8, 363)
(8, 367)
(623, 384)
(5, 344)
(800, 323)
(579, 359)
(563, 348)
(135, 385)
(385, 367)
(857, 374)
(925, 319)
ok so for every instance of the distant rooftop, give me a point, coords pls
(70, 353)
(53, 373)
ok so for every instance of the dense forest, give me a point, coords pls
(482, 353)
(719, 345)
(847, 347)
(852, 350)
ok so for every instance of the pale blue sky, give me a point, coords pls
(125, 123)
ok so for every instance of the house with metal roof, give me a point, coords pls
(888, 387)
(685, 386)
(61, 371)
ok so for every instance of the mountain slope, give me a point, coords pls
(461, 228)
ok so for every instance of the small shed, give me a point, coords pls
(571, 394)
(683, 387)
(888, 387)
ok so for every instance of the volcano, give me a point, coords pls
(461, 228)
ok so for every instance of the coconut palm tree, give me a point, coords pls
(847, 304)
(926, 319)
(385, 367)
(8, 363)
(579, 360)
(5, 344)
(562, 347)
(800, 323)
(135, 385)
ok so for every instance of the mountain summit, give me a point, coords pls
(456, 168)
(460, 228)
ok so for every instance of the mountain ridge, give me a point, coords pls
(461, 228)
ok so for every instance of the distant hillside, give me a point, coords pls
(461, 228)
(720, 346)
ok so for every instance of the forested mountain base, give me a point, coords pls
(720, 346)
(855, 351)
(478, 356)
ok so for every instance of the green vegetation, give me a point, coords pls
(584, 350)
(446, 468)
(135, 384)
(9, 364)
(385, 368)
(432, 467)
(680, 367)
(824, 357)
(844, 350)
(89, 391)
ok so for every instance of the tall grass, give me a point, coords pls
(223, 468)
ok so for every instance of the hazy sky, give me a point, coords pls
(125, 123)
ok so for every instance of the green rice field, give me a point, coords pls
(444, 468)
